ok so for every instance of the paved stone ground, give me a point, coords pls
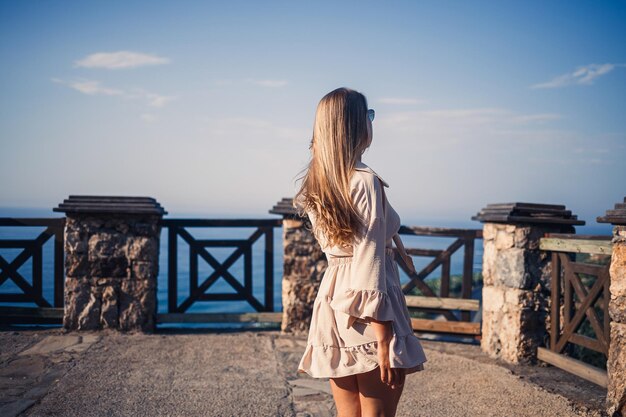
(47, 372)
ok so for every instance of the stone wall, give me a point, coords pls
(516, 292)
(111, 268)
(616, 365)
(303, 267)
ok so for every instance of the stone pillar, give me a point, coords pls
(304, 264)
(616, 364)
(516, 276)
(111, 262)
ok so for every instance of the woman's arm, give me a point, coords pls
(408, 261)
(384, 333)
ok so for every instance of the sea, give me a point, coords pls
(237, 269)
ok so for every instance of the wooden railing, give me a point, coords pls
(442, 303)
(48, 311)
(198, 249)
(573, 302)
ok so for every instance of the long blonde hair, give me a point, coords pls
(340, 136)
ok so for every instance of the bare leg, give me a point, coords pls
(377, 398)
(346, 395)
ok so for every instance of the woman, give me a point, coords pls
(360, 334)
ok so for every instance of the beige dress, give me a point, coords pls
(361, 282)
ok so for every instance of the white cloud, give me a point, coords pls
(90, 87)
(93, 87)
(400, 101)
(152, 99)
(584, 75)
(268, 83)
(120, 60)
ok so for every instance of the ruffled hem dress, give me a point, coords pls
(361, 282)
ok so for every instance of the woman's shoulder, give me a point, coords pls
(365, 177)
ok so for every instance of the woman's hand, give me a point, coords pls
(388, 375)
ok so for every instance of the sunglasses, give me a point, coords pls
(371, 114)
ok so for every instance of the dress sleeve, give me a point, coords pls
(366, 294)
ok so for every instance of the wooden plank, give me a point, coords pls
(31, 311)
(34, 221)
(568, 301)
(423, 252)
(462, 327)
(16, 243)
(172, 269)
(263, 317)
(110, 198)
(440, 231)
(37, 271)
(598, 247)
(590, 373)
(193, 269)
(587, 342)
(468, 269)
(555, 315)
(529, 220)
(221, 242)
(222, 222)
(577, 236)
(589, 269)
(269, 269)
(15, 297)
(59, 267)
(220, 296)
(526, 205)
(444, 289)
(442, 302)
(8, 312)
(247, 269)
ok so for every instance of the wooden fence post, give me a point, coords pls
(516, 276)
(616, 364)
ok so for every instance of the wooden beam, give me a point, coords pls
(590, 373)
(588, 342)
(440, 231)
(462, 327)
(598, 247)
(442, 302)
(220, 317)
(222, 222)
(31, 315)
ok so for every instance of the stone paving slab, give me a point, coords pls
(169, 375)
(252, 373)
(33, 362)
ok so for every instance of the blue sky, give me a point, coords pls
(209, 107)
